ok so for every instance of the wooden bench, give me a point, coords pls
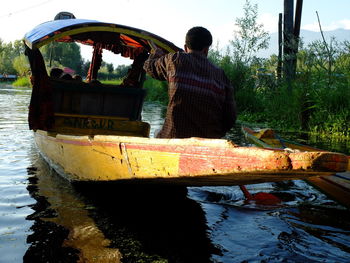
(89, 109)
(102, 125)
(74, 97)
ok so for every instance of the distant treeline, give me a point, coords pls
(63, 55)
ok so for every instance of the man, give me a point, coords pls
(201, 100)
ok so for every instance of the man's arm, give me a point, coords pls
(155, 65)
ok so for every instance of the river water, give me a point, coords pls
(43, 218)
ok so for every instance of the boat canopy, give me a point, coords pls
(124, 40)
(114, 37)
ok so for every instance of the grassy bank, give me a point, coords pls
(311, 107)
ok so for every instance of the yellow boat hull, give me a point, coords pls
(193, 161)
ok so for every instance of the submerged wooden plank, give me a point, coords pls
(334, 187)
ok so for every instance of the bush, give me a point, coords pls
(22, 82)
(156, 91)
(112, 81)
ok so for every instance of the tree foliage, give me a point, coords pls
(110, 68)
(21, 65)
(250, 36)
(8, 52)
(63, 54)
(318, 101)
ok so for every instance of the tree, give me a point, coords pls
(21, 65)
(7, 54)
(110, 68)
(121, 70)
(65, 54)
(342, 63)
(250, 37)
(18, 48)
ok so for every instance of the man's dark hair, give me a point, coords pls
(198, 38)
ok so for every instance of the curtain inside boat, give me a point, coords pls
(96, 62)
(137, 54)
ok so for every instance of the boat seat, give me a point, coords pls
(72, 97)
(99, 125)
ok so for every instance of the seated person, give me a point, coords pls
(78, 78)
(66, 76)
(56, 73)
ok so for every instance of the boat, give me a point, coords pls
(336, 186)
(8, 77)
(88, 131)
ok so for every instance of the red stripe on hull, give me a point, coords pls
(229, 161)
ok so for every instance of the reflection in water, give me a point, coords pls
(154, 114)
(106, 222)
(62, 229)
(43, 218)
(150, 222)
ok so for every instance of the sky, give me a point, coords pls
(168, 19)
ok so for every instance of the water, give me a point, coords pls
(43, 218)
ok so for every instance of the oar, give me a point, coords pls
(260, 198)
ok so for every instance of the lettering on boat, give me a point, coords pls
(89, 123)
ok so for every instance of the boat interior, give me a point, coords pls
(94, 108)
(90, 107)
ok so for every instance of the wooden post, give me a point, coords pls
(288, 40)
(297, 22)
(279, 63)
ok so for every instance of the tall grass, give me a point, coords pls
(311, 106)
(331, 113)
(276, 108)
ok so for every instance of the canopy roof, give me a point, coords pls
(92, 32)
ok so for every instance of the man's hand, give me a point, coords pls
(155, 51)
